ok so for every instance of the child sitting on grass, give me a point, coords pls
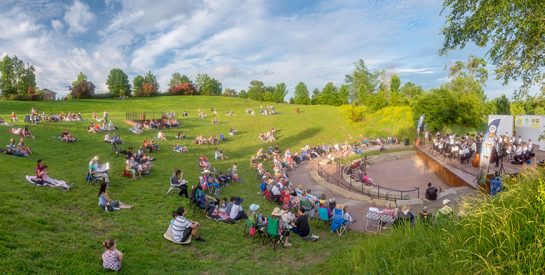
(111, 258)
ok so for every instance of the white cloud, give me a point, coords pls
(78, 16)
(57, 25)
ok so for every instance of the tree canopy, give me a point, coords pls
(513, 30)
(207, 85)
(118, 83)
(82, 88)
(16, 77)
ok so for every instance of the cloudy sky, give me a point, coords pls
(235, 41)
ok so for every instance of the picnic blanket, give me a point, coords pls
(50, 182)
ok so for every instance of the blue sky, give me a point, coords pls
(235, 41)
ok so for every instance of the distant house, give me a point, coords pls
(48, 94)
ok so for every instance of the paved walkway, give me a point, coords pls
(358, 204)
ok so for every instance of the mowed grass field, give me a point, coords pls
(44, 230)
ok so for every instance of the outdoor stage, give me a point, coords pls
(455, 174)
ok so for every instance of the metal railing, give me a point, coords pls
(376, 192)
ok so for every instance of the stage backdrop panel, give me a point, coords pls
(530, 127)
(506, 124)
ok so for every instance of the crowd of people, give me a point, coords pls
(17, 148)
(516, 150)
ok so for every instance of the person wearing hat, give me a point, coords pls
(182, 228)
(446, 210)
(405, 216)
(425, 215)
(278, 214)
(97, 170)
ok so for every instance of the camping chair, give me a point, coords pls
(90, 178)
(172, 186)
(323, 215)
(250, 223)
(271, 234)
(338, 223)
(308, 207)
(377, 219)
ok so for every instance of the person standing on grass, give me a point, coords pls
(111, 258)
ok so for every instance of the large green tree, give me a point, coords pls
(329, 95)
(363, 83)
(82, 88)
(512, 30)
(301, 94)
(16, 77)
(256, 90)
(207, 85)
(118, 83)
(146, 85)
(280, 92)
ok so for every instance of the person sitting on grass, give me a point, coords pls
(232, 131)
(111, 258)
(182, 228)
(161, 136)
(67, 136)
(53, 182)
(237, 213)
(446, 210)
(181, 135)
(301, 226)
(104, 201)
(198, 197)
(405, 216)
(180, 148)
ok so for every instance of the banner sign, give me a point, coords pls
(486, 149)
(420, 123)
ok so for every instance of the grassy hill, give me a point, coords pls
(44, 230)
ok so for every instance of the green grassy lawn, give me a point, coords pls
(44, 230)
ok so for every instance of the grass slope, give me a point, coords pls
(43, 230)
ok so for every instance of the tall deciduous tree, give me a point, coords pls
(280, 92)
(513, 30)
(180, 85)
(362, 82)
(207, 85)
(329, 95)
(16, 77)
(301, 94)
(256, 90)
(82, 88)
(137, 85)
(118, 83)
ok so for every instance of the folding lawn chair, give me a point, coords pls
(373, 220)
(172, 185)
(338, 223)
(308, 207)
(323, 215)
(90, 178)
(271, 234)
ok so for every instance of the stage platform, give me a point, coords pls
(455, 174)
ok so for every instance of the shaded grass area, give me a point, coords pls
(43, 230)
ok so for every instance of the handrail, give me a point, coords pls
(403, 194)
